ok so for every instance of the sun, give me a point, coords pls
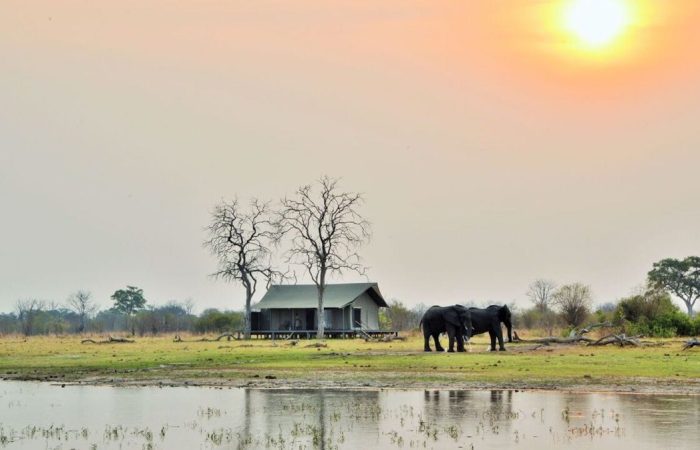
(596, 24)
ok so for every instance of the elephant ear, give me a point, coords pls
(452, 316)
(504, 313)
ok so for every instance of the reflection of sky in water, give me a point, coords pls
(224, 418)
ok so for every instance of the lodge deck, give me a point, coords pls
(310, 334)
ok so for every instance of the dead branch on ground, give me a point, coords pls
(111, 340)
(228, 336)
(622, 340)
(317, 345)
(575, 336)
(691, 343)
(387, 338)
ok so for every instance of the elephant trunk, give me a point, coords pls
(509, 326)
(468, 329)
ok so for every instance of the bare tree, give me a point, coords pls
(188, 306)
(540, 293)
(27, 310)
(326, 231)
(574, 302)
(81, 303)
(241, 242)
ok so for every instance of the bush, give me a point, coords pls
(653, 314)
(213, 320)
(605, 312)
(536, 318)
(645, 328)
(681, 322)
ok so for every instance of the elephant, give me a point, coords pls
(489, 319)
(453, 320)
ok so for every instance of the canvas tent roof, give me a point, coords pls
(306, 296)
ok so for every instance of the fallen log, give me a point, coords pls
(317, 345)
(691, 343)
(228, 336)
(589, 328)
(387, 338)
(575, 336)
(111, 340)
(553, 340)
(621, 340)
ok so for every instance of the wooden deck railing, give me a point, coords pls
(308, 334)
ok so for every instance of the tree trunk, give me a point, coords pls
(248, 320)
(689, 305)
(321, 316)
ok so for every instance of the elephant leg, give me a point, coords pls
(460, 343)
(426, 336)
(438, 347)
(492, 335)
(501, 347)
(451, 337)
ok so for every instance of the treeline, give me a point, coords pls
(558, 309)
(35, 317)
(555, 308)
(651, 312)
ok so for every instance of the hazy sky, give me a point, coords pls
(491, 150)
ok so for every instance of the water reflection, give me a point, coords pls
(39, 415)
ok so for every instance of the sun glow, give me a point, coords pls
(596, 24)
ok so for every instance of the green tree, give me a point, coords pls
(681, 277)
(653, 313)
(646, 306)
(399, 318)
(213, 320)
(128, 301)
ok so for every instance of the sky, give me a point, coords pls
(492, 145)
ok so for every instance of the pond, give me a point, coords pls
(36, 415)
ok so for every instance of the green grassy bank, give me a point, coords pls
(345, 362)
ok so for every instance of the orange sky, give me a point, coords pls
(474, 123)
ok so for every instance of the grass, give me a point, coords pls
(346, 362)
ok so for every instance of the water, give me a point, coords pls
(35, 415)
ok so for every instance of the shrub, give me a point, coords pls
(649, 305)
(213, 320)
(653, 314)
(669, 324)
(537, 318)
(696, 325)
(677, 320)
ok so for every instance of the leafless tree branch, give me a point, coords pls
(81, 303)
(326, 232)
(241, 240)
